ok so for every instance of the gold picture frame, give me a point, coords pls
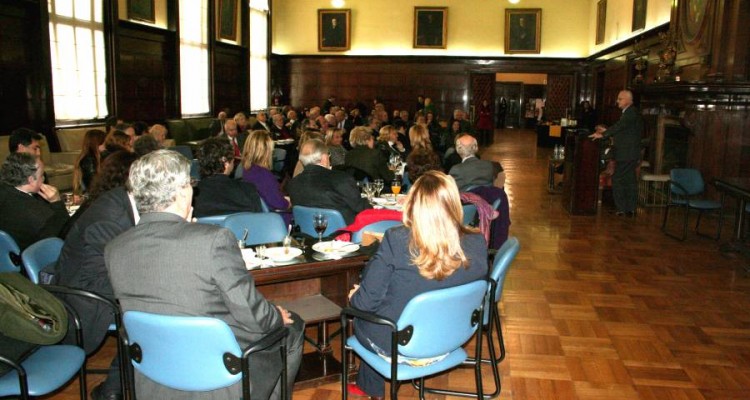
(523, 30)
(226, 24)
(639, 14)
(430, 27)
(141, 10)
(334, 29)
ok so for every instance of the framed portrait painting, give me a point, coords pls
(601, 20)
(430, 27)
(227, 23)
(141, 10)
(523, 30)
(334, 27)
(639, 14)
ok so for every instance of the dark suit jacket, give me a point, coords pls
(627, 135)
(29, 218)
(370, 161)
(81, 263)
(220, 195)
(166, 265)
(321, 187)
(390, 280)
(241, 137)
(257, 126)
(473, 171)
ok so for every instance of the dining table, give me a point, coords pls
(315, 285)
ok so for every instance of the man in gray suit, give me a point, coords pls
(472, 171)
(627, 133)
(166, 265)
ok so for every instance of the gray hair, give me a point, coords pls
(466, 150)
(156, 178)
(17, 169)
(312, 152)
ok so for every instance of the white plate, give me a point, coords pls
(337, 247)
(383, 201)
(282, 253)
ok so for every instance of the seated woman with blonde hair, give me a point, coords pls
(257, 160)
(336, 151)
(433, 250)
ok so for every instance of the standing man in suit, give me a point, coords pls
(626, 133)
(472, 171)
(81, 266)
(319, 186)
(167, 265)
(30, 210)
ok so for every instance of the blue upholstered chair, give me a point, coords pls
(377, 227)
(39, 255)
(10, 254)
(686, 185)
(432, 324)
(503, 260)
(303, 217)
(261, 227)
(213, 219)
(470, 214)
(173, 351)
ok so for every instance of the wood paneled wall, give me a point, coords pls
(397, 81)
(230, 84)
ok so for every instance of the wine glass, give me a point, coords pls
(394, 162)
(396, 187)
(320, 223)
(379, 184)
(368, 188)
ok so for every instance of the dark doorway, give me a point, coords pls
(511, 94)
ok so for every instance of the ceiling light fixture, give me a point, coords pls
(337, 3)
(513, 1)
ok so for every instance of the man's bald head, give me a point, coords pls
(466, 145)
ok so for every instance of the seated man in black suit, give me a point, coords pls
(365, 157)
(217, 193)
(81, 266)
(167, 265)
(319, 186)
(30, 210)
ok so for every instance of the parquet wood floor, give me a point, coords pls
(602, 307)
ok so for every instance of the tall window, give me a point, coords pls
(194, 56)
(258, 54)
(79, 74)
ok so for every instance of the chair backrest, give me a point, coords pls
(195, 169)
(261, 227)
(470, 214)
(39, 255)
(303, 217)
(175, 352)
(213, 219)
(686, 182)
(263, 205)
(377, 227)
(184, 150)
(503, 258)
(10, 254)
(442, 319)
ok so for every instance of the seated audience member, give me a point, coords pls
(472, 171)
(158, 132)
(88, 160)
(319, 186)
(145, 144)
(128, 130)
(292, 123)
(235, 138)
(217, 193)
(115, 141)
(113, 173)
(139, 128)
(256, 169)
(261, 123)
(241, 121)
(422, 157)
(106, 214)
(24, 140)
(336, 150)
(206, 273)
(364, 157)
(389, 144)
(306, 135)
(30, 210)
(279, 130)
(433, 250)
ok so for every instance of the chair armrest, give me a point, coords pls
(88, 295)
(265, 342)
(367, 316)
(22, 380)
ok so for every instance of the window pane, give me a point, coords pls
(194, 57)
(258, 59)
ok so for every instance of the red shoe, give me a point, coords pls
(354, 390)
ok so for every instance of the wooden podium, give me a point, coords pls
(581, 187)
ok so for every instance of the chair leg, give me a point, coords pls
(82, 381)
